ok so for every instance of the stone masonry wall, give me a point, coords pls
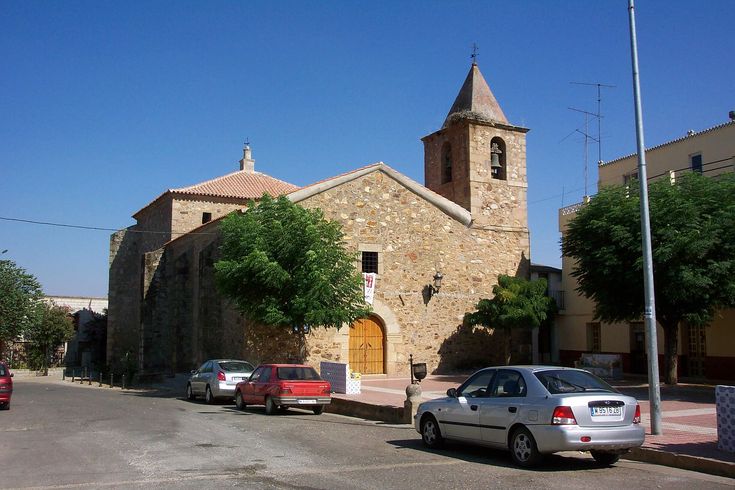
(193, 322)
(186, 212)
(417, 239)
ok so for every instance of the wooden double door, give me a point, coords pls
(367, 341)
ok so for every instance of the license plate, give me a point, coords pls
(307, 402)
(606, 411)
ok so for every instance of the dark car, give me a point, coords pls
(6, 386)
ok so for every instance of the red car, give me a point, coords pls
(6, 386)
(279, 386)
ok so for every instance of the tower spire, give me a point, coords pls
(475, 100)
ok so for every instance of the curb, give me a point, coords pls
(352, 408)
(682, 461)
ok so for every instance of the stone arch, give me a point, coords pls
(393, 342)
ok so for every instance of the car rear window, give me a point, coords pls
(297, 373)
(236, 367)
(3, 372)
(568, 381)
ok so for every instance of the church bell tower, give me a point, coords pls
(478, 159)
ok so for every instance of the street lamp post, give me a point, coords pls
(649, 313)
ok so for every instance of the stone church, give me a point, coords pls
(468, 222)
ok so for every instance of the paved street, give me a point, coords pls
(63, 435)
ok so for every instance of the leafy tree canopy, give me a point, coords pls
(20, 295)
(693, 242)
(516, 303)
(286, 265)
(53, 327)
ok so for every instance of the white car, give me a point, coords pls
(535, 410)
(217, 378)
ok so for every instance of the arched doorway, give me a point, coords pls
(367, 339)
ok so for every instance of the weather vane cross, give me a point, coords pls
(247, 141)
(474, 53)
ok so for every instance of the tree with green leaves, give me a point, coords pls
(286, 266)
(516, 303)
(693, 243)
(20, 296)
(53, 328)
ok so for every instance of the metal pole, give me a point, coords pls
(410, 366)
(111, 379)
(100, 386)
(649, 314)
(123, 382)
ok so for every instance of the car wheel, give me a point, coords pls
(208, 397)
(318, 410)
(189, 392)
(523, 448)
(270, 407)
(239, 403)
(430, 433)
(5, 406)
(604, 458)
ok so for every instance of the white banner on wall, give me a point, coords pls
(368, 286)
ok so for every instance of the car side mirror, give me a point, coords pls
(193, 371)
(452, 392)
(12, 374)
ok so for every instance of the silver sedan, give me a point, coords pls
(535, 410)
(217, 378)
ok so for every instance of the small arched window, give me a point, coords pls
(446, 163)
(498, 167)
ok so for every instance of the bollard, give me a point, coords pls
(89, 380)
(73, 374)
(63, 374)
(111, 384)
(123, 382)
(100, 386)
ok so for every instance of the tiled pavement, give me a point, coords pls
(689, 420)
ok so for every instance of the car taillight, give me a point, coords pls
(221, 376)
(326, 390)
(637, 416)
(563, 416)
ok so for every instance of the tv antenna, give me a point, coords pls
(599, 113)
(587, 137)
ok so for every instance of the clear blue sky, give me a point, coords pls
(105, 105)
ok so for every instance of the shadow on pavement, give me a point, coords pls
(497, 457)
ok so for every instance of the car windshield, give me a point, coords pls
(236, 367)
(568, 381)
(298, 373)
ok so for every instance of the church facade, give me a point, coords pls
(468, 223)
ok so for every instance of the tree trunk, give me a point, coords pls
(671, 358)
(506, 351)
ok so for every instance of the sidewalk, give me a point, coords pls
(689, 422)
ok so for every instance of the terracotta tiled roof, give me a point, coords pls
(240, 184)
(237, 185)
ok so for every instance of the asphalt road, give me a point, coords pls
(63, 435)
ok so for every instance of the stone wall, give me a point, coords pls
(123, 313)
(186, 212)
(186, 321)
(416, 239)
